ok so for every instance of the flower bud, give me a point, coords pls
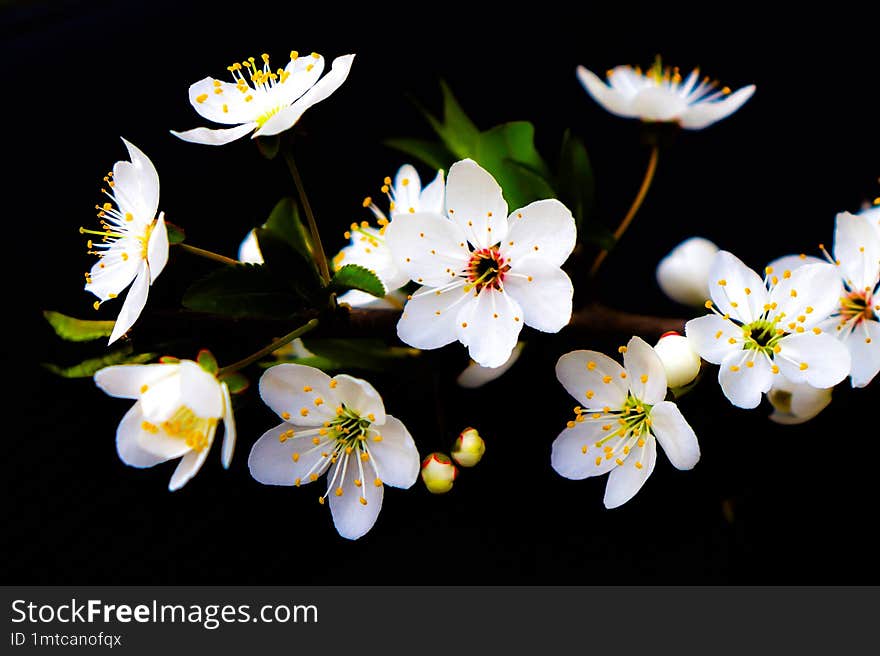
(683, 275)
(796, 403)
(438, 473)
(468, 448)
(681, 362)
(249, 250)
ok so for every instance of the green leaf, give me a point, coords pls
(207, 361)
(298, 273)
(435, 155)
(268, 146)
(236, 382)
(354, 276)
(285, 223)
(456, 130)
(176, 235)
(77, 330)
(87, 368)
(243, 290)
(575, 183)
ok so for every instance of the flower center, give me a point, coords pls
(186, 425)
(856, 307)
(624, 430)
(265, 116)
(486, 268)
(762, 336)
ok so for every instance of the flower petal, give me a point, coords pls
(127, 381)
(857, 248)
(675, 435)
(593, 379)
(627, 479)
(369, 249)
(292, 390)
(792, 262)
(395, 456)
(807, 295)
(742, 384)
(543, 291)
(303, 72)
(430, 317)
(433, 196)
(190, 386)
(136, 185)
(249, 249)
(358, 395)
(351, 517)
(490, 327)
(128, 441)
(818, 360)
(211, 137)
(135, 300)
(864, 347)
(407, 190)
(475, 203)
(796, 403)
(704, 114)
(271, 460)
(710, 336)
(683, 274)
(543, 229)
(729, 279)
(647, 377)
(612, 100)
(575, 455)
(157, 248)
(428, 248)
(189, 466)
(228, 107)
(113, 272)
(476, 376)
(229, 433)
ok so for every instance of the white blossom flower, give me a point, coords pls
(856, 319)
(336, 425)
(261, 100)
(766, 327)
(796, 403)
(134, 242)
(475, 375)
(660, 95)
(483, 274)
(680, 361)
(368, 246)
(175, 416)
(249, 250)
(683, 274)
(622, 413)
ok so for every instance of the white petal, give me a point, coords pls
(857, 248)
(743, 385)
(359, 299)
(543, 291)
(653, 103)
(646, 375)
(864, 347)
(188, 467)
(229, 433)
(683, 275)
(627, 479)
(358, 395)
(249, 249)
(575, 455)
(162, 444)
(407, 190)
(792, 262)
(136, 185)
(157, 248)
(351, 517)
(710, 336)
(395, 456)
(490, 327)
(796, 403)
(128, 441)
(544, 229)
(291, 390)
(238, 110)
(428, 248)
(190, 386)
(475, 203)
(430, 318)
(304, 73)
(807, 296)
(704, 114)
(433, 196)
(271, 459)
(210, 137)
(369, 249)
(610, 99)
(827, 360)
(583, 375)
(675, 435)
(115, 271)
(135, 300)
(729, 279)
(476, 376)
(127, 381)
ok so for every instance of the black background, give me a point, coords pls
(766, 504)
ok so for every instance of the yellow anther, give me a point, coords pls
(307, 389)
(285, 416)
(638, 465)
(313, 477)
(377, 482)
(295, 457)
(719, 333)
(591, 365)
(641, 442)
(606, 379)
(590, 394)
(363, 501)
(623, 374)
(734, 368)
(793, 293)
(304, 412)
(804, 366)
(321, 500)
(316, 441)
(365, 456)
(808, 309)
(621, 349)
(768, 270)
(297, 482)
(747, 291)
(722, 282)
(338, 491)
(774, 369)
(731, 340)
(644, 378)
(786, 274)
(618, 461)
(202, 97)
(750, 364)
(708, 305)
(319, 401)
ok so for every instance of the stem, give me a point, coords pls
(207, 254)
(634, 208)
(274, 346)
(320, 256)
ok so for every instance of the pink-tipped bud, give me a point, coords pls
(438, 473)
(468, 448)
